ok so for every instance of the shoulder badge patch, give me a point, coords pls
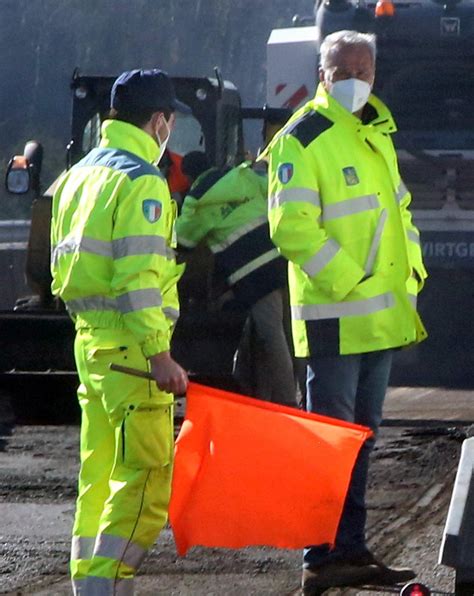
(151, 210)
(350, 176)
(285, 172)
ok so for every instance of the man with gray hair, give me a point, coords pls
(338, 212)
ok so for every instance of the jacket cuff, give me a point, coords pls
(154, 345)
(421, 275)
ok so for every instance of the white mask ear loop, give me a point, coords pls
(162, 144)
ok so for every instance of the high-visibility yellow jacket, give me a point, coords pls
(112, 242)
(228, 210)
(338, 212)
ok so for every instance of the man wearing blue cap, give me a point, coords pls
(113, 265)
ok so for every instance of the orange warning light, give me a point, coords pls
(384, 8)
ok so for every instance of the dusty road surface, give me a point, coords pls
(412, 476)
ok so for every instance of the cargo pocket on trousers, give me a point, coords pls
(147, 436)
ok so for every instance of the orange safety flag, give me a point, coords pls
(249, 472)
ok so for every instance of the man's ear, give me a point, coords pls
(321, 74)
(155, 119)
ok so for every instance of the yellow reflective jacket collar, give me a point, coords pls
(121, 135)
(333, 110)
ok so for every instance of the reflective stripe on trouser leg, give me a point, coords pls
(103, 586)
(124, 553)
(144, 496)
(120, 549)
(137, 507)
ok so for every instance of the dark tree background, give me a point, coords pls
(42, 41)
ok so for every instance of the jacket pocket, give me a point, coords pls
(98, 353)
(147, 436)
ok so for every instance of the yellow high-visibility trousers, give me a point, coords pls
(126, 464)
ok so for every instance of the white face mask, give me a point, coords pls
(162, 144)
(352, 94)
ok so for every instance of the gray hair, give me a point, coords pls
(335, 41)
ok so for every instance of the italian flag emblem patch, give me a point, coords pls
(151, 210)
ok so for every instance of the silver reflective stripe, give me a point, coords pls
(139, 299)
(374, 247)
(185, 242)
(253, 225)
(343, 309)
(131, 301)
(122, 247)
(294, 195)
(350, 207)
(119, 549)
(413, 299)
(321, 258)
(85, 244)
(253, 265)
(401, 191)
(171, 313)
(97, 247)
(103, 586)
(170, 252)
(139, 245)
(82, 547)
(79, 587)
(91, 303)
(413, 236)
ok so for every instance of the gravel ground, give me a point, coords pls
(411, 483)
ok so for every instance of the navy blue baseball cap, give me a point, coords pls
(145, 89)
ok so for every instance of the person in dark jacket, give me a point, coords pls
(227, 209)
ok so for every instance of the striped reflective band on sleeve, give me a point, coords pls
(343, 309)
(294, 195)
(138, 300)
(413, 236)
(82, 547)
(185, 242)
(119, 248)
(103, 586)
(129, 302)
(249, 227)
(171, 313)
(401, 191)
(253, 265)
(91, 303)
(318, 261)
(374, 247)
(350, 207)
(119, 549)
(131, 246)
(73, 245)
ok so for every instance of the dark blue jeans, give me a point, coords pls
(350, 388)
